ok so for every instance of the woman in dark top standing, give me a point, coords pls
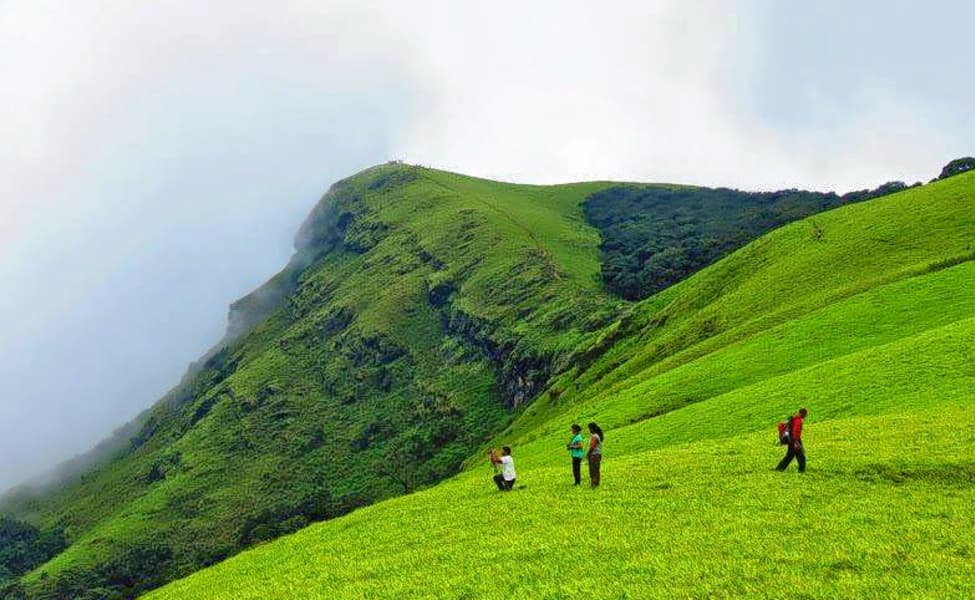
(595, 453)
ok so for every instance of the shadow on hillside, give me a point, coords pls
(954, 474)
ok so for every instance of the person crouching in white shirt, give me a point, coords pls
(505, 480)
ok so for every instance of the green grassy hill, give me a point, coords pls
(421, 310)
(864, 314)
(426, 316)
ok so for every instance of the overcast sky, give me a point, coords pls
(157, 157)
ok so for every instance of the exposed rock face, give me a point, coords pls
(322, 231)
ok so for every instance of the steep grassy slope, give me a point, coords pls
(900, 249)
(865, 314)
(421, 308)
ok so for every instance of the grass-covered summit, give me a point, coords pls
(864, 314)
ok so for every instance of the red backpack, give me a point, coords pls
(785, 431)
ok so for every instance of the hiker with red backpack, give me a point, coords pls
(790, 434)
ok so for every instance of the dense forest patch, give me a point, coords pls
(655, 236)
(23, 547)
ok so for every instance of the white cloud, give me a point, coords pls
(559, 91)
(579, 91)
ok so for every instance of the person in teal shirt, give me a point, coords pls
(576, 449)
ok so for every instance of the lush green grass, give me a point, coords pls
(798, 361)
(875, 273)
(701, 520)
(865, 314)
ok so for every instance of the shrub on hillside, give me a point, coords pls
(23, 547)
(957, 167)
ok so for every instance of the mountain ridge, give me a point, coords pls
(422, 313)
(877, 342)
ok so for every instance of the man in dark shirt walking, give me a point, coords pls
(795, 445)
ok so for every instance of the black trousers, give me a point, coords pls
(577, 469)
(797, 452)
(503, 484)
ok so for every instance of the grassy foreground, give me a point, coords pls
(865, 314)
(700, 520)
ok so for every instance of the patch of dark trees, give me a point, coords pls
(24, 547)
(131, 572)
(655, 236)
(957, 167)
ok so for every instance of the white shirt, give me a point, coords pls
(507, 468)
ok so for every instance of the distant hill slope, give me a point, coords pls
(864, 314)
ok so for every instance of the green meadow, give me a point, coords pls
(692, 520)
(864, 314)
